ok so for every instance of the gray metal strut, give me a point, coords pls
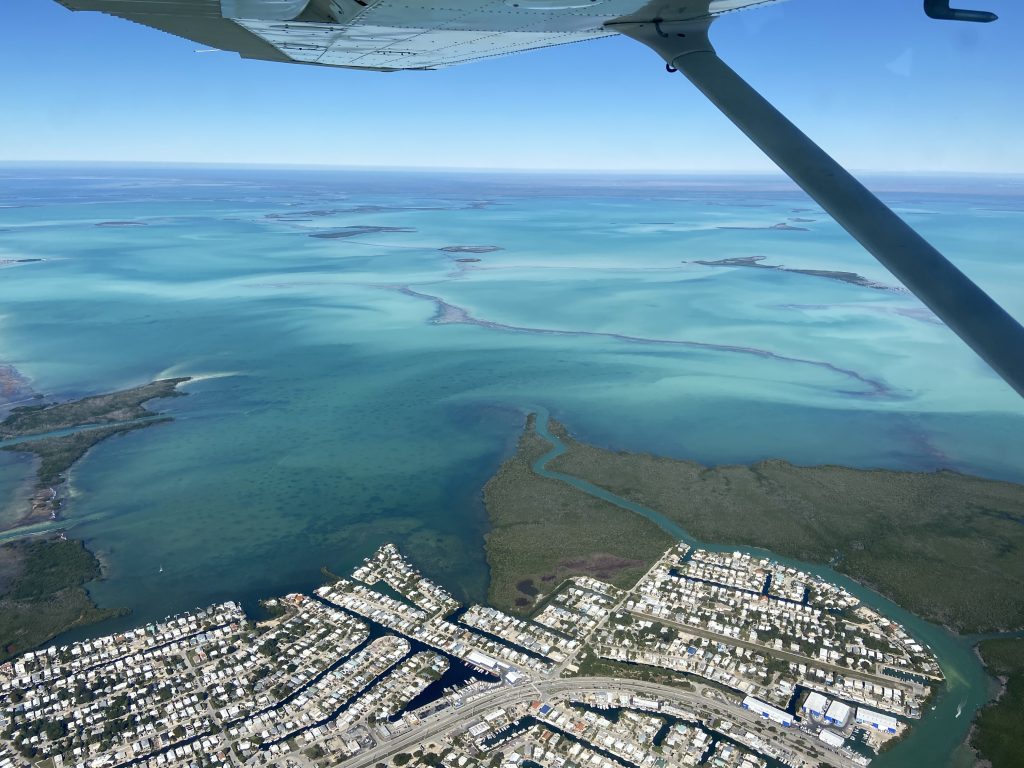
(986, 327)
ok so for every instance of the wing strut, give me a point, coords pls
(945, 290)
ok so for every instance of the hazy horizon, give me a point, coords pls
(682, 172)
(910, 95)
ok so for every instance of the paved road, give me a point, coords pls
(797, 658)
(437, 725)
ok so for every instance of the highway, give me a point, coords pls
(699, 701)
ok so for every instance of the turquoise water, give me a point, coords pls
(355, 390)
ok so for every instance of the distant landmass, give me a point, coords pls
(783, 226)
(470, 248)
(6, 262)
(357, 231)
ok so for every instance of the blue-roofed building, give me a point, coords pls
(767, 711)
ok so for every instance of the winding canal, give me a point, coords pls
(934, 740)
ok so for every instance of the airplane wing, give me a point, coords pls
(391, 35)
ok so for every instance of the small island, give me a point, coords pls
(757, 263)
(781, 226)
(471, 249)
(356, 231)
(304, 215)
(11, 262)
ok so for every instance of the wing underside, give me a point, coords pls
(392, 34)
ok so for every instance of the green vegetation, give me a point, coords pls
(116, 413)
(112, 408)
(41, 592)
(48, 567)
(593, 666)
(57, 454)
(543, 531)
(947, 546)
(999, 728)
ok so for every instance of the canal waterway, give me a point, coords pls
(934, 740)
(64, 432)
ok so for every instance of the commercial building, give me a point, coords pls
(837, 713)
(816, 704)
(877, 720)
(831, 738)
(767, 710)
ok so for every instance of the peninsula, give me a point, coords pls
(59, 434)
(41, 580)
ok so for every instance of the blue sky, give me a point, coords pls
(876, 82)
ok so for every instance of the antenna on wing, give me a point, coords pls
(939, 9)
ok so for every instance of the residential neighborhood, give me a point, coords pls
(712, 658)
